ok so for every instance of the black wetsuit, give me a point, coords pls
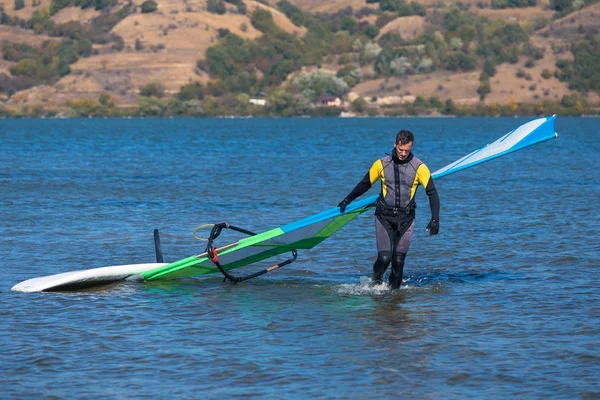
(395, 211)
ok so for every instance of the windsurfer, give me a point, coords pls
(400, 174)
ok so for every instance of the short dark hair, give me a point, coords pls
(405, 136)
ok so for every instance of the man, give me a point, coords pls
(400, 174)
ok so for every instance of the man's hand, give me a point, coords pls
(343, 204)
(433, 227)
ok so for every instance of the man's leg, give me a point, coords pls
(398, 257)
(395, 279)
(384, 237)
(381, 264)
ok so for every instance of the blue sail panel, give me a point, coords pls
(533, 132)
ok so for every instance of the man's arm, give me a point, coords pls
(363, 186)
(434, 200)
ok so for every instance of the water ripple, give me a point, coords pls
(503, 303)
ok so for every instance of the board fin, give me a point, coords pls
(157, 248)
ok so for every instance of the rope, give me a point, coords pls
(200, 227)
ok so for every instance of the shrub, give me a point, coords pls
(489, 67)
(191, 91)
(263, 20)
(242, 8)
(149, 6)
(371, 31)
(499, 4)
(154, 89)
(216, 6)
(460, 61)
(546, 74)
(317, 83)
(26, 67)
(484, 89)
(292, 12)
(58, 5)
(11, 85)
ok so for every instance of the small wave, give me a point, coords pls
(364, 287)
(429, 282)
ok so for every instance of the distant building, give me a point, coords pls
(329, 101)
(258, 102)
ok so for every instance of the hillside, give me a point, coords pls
(168, 45)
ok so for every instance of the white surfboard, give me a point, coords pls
(84, 278)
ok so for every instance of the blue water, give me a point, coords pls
(504, 302)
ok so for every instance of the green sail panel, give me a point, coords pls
(303, 234)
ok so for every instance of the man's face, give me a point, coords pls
(403, 150)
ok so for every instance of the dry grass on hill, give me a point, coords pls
(461, 87)
(44, 95)
(197, 31)
(506, 84)
(171, 69)
(180, 31)
(185, 36)
(75, 14)
(280, 19)
(5, 67)
(26, 12)
(520, 16)
(174, 38)
(574, 26)
(408, 27)
(16, 34)
(331, 6)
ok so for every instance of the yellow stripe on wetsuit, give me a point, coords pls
(375, 173)
(423, 176)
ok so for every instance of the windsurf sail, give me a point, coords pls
(309, 232)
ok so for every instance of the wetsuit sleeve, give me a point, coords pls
(434, 200)
(367, 181)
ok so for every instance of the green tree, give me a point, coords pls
(216, 6)
(154, 89)
(292, 12)
(105, 100)
(582, 73)
(460, 61)
(371, 31)
(40, 20)
(489, 67)
(219, 62)
(546, 74)
(26, 67)
(84, 107)
(154, 107)
(314, 84)
(58, 5)
(484, 89)
(149, 6)
(560, 5)
(191, 91)
(349, 24)
(263, 20)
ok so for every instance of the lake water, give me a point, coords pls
(504, 302)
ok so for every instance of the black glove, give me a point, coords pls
(433, 228)
(343, 204)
